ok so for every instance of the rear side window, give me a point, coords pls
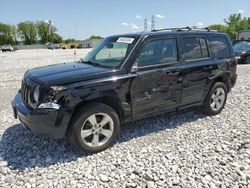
(220, 47)
(195, 48)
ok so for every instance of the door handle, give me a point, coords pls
(155, 89)
(172, 72)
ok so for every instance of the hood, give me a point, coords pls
(66, 73)
(240, 51)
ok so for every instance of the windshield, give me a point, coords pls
(242, 46)
(111, 52)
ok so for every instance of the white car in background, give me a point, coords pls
(7, 47)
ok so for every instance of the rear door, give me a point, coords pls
(198, 65)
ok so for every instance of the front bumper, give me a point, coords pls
(50, 122)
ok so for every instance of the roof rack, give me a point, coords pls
(183, 29)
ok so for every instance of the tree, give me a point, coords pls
(95, 37)
(5, 34)
(14, 34)
(55, 38)
(47, 32)
(43, 33)
(67, 41)
(27, 32)
(218, 27)
(233, 24)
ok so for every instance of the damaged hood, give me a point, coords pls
(66, 73)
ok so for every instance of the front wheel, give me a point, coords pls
(216, 99)
(95, 128)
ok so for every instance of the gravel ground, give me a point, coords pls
(178, 149)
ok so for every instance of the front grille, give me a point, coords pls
(25, 91)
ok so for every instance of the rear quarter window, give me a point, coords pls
(195, 48)
(220, 47)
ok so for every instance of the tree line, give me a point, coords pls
(233, 24)
(40, 32)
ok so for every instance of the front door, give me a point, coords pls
(157, 86)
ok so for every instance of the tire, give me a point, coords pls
(215, 100)
(247, 61)
(88, 128)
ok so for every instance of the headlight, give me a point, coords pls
(36, 93)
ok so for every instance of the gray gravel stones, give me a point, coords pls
(179, 149)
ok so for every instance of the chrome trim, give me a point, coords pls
(99, 80)
(49, 105)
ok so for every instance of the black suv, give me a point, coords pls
(125, 78)
(242, 51)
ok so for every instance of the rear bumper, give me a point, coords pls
(50, 122)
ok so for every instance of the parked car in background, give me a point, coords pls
(53, 46)
(242, 51)
(7, 48)
(243, 35)
(126, 78)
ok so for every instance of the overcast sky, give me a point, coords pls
(119, 16)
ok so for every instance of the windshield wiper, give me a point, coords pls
(90, 62)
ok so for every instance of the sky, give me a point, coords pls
(83, 18)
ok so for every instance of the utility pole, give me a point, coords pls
(76, 31)
(152, 23)
(76, 41)
(145, 25)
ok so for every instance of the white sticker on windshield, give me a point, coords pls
(125, 40)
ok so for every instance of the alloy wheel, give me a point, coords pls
(217, 99)
(97, 130)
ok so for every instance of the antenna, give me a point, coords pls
(145, 25)
(153, 23)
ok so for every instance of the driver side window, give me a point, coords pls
(158, 52)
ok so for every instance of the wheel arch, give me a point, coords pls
(111, 99)
(221, 78)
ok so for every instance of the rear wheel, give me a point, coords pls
(95, 128)
(216, 99)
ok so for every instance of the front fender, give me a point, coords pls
(112, 93)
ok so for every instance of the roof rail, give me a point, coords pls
(172, 29)
(204, 29)
(184, 29)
